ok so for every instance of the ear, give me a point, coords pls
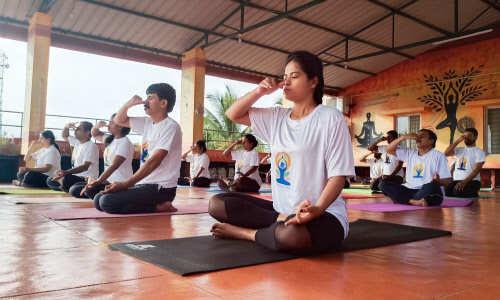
(164, 103)
(314, 82)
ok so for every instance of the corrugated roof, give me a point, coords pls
(173, 27)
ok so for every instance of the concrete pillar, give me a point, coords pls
(192, 96)
(37, 69)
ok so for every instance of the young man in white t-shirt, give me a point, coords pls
(199, 163)
(117, 157)
(153, 187)
(246, 174)
(376, 169)
(393, 168)
(84, 159)
(426, 171)
(469, 162)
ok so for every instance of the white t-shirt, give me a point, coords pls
(245, 160)
(196, 162)
(421, 169)
(376, 167)
(124, 148)
(165, 135)
(87, 151)
(48, 156)
(466, 162)
(390, 162)
(305, 154)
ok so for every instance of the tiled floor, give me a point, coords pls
(44, 259)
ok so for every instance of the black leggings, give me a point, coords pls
(33, 179)
(324, 233)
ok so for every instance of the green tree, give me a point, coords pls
(219, 130)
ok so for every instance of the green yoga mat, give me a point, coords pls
(15, 191)
(357, 191)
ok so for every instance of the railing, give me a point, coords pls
(215, 139)
(220, 140)
(51, 120)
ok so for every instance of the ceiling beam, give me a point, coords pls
(417, 20)
(276, 18)
(493, 3)
(353, 36)
(416, 44)
(206, 31)
(317, 26)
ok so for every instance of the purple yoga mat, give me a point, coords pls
(92, 213)
(391, 207)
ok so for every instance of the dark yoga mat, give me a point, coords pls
(193, 255)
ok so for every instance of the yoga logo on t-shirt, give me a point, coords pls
(144, 152)
(387, 159)
(283, 164)
(418, 171)
(107, 159)
(462, 163)
(239, 166)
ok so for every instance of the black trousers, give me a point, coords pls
(325, 233)
(470, 190)
(33, 179)
(142, 198)
(67, 182)
(431, 192)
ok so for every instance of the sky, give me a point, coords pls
(94, 86)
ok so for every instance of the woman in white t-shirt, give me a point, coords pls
(246, 167)
(198, 166)
(47, 161)
(117, 156)
(311, 159)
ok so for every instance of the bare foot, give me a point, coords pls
(228, 231)
(165, 207)
(420, 202)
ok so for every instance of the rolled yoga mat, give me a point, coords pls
(92, 213)
(193, 255)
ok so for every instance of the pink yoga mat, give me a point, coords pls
(391, 207)
(92, 213)
(345, 196)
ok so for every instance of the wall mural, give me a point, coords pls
(449, 92)
(368, 133)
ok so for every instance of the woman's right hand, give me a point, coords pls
(269, 86)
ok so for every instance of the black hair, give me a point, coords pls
(48, 134)
(377, 155)
(472, 130)
(313, 67)
(87, 126)
(393, 133)
(432, 136)
(202, 145)
(252, 140)
(110, 138)
(165, 92)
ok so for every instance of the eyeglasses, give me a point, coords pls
(291, 75)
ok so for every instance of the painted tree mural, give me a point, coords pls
(449, 93)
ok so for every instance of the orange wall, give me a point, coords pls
(395, 91)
